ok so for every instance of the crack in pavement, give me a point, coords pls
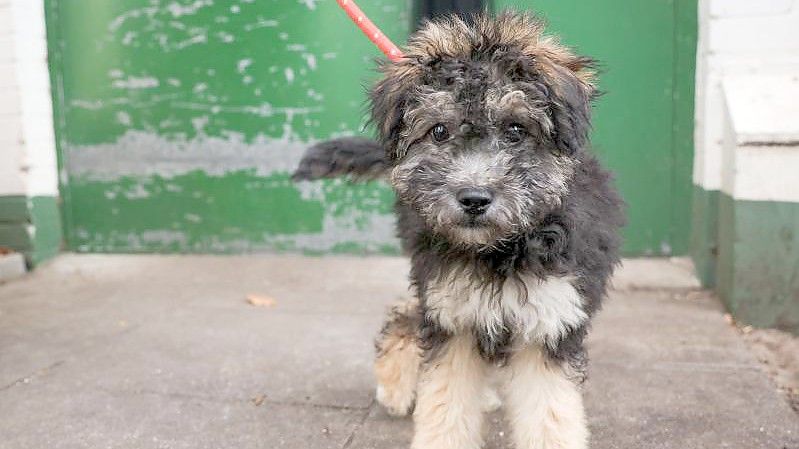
(26, 379)
(358, 425)
(234, 400)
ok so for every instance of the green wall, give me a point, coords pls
(178, 122)
(758, 261)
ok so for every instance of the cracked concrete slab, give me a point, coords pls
(164, 351)
(43, 415)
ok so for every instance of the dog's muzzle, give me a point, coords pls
(474, 201)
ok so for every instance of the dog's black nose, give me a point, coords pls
(474, 201)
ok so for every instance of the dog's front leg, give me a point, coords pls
(449, 409)
(545, 406)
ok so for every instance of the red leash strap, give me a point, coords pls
(370, 30)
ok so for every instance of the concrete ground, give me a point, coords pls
(165, 352)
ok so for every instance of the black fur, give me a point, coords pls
(360, 158)
(570, 229)
(579, 238)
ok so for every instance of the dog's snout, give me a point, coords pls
(474, 200)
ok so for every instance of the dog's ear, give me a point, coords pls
(389, 98)
(571, 91)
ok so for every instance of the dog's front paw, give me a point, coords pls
(398, 359)
(396, 401)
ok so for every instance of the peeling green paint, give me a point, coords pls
(239, 211)
(250, 67)
(178, 122)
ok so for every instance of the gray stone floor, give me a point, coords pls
(165, 352)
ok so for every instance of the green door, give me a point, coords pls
(179, 121)
(643, 123)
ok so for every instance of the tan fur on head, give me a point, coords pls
(453, 37)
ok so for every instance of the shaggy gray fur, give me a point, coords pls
(516, 125)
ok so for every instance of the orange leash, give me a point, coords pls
(370, 30)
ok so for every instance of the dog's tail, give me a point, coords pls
(361, 159)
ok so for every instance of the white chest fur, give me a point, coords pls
(548, 310)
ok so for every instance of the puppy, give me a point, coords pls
(511, 224)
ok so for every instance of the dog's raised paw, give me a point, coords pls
(397, 403)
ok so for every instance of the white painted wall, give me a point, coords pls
(760, 154)
(737, 38)
(11, 149)
(27, 143)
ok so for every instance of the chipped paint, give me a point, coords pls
(133, 82)
(289, 72)
(261, 23)
(243, 64)
(179, 122)
(141, 153)
(310, 4)
(179, 10)
(310, 59)
(323, 217)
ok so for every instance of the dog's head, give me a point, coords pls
(483, 122)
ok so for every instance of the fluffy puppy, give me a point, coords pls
(511, 225)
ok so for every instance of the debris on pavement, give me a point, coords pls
(261, 300)
(777, 352)
(258, 400)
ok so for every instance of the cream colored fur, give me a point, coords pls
(454, 389)
(397, 372)
(553, 306)
(545, 408)
(450, 403)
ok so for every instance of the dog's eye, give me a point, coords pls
(515, 132)
(440, 133)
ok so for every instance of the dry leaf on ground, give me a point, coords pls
(258, 400)
(261, 300)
